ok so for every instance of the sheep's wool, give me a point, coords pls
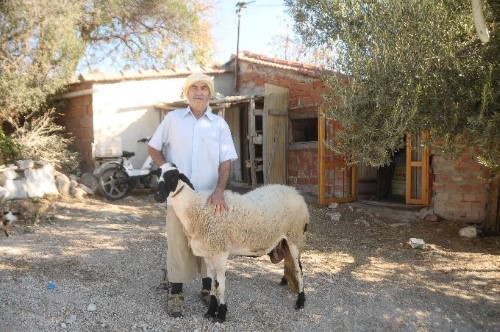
(247, 222)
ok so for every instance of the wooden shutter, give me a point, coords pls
(417, 170)
(337, 181)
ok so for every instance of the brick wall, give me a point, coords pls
(459, 189)
(78, 119)
(305, 96)
(303, 167)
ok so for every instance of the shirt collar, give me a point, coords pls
(208, 113)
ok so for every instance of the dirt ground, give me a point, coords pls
(92, 265)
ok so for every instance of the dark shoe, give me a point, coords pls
(205, 296)
(175, 305)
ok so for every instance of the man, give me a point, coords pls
(199, 143)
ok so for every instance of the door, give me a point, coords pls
(337, 180)
(275, 134)
(417, 170)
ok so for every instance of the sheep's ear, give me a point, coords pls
(185, 179)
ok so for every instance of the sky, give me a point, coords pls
(260, 21)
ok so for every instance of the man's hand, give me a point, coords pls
(217, 203)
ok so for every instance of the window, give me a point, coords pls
(305, 130)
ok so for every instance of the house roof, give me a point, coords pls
(297, 67)
(146, 74)
(247, 56)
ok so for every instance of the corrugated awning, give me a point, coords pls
(215, 104)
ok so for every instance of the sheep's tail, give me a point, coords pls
(290, 274)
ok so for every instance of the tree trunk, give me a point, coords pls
(492, 222)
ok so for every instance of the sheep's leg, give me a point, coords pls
(220, 262)
(294, 252)
(212, 307)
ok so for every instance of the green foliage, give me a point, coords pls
(39, 53)
(408, 66)
(9, 152)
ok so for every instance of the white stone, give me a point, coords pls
(40, 181)
(469, 231)
(7, 174)
(16, 189)
(333, 205)
(3, 194)
(25, 164)
(91, 307)
(335, 216)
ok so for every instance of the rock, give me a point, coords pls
(89, 180)
(3, 193)
(40, 181)
(335, 216)
(431, 218)
(25, 164)
(333, 206)
(63, 183)
(16, 189)
(469, 231)
(91, 307)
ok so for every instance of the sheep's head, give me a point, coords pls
(168, 181)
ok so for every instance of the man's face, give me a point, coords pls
(198, 95)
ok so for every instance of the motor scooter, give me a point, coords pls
(116, 176)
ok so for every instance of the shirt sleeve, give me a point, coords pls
(227, 149)
(160, 135)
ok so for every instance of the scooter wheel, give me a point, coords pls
(113, 183)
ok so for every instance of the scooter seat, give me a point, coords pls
(127, 154)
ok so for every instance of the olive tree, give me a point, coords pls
(410, 66)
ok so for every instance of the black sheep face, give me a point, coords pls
(171, 178)
(167, 184)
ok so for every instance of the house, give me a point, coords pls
(274, 108)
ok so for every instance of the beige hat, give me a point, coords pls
(198, 77)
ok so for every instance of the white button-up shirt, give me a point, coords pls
(195, 146)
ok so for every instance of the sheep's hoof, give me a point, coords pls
(212, 307)
(300, 301)
(221, 314)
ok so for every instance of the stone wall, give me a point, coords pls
(28, 179)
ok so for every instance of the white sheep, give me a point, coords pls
(268, 220)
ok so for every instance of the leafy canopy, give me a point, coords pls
(407, 66)
(43, 42)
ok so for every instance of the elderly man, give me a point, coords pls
(199, 143)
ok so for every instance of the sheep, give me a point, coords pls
(270, 220)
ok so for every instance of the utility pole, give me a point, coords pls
(239, 6)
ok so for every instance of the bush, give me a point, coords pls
(9, 151)
(41, 138)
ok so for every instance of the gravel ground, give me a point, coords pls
(91, 265)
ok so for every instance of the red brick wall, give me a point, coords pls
(305, 95)
(303, 167)
(459, 189)
(78, 119)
